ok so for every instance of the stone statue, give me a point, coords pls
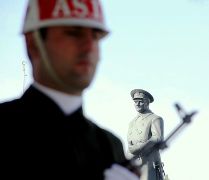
(146, 128)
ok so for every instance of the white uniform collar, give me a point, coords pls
(68, 103)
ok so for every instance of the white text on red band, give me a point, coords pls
(80, 9)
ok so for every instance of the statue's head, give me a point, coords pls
(141, 99)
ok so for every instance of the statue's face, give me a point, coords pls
(141, 104)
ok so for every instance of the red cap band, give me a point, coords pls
(55, 9)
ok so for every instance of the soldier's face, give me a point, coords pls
(141, 105)
(73, 53)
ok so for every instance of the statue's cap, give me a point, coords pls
(140, 93)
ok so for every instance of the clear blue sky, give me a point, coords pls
(158, 45)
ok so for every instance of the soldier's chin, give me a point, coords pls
(85, 82)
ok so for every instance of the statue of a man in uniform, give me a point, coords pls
(145, 129)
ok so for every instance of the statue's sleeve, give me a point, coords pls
(157, 130)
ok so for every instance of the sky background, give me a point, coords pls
(161, 46)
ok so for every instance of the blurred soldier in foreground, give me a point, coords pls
(45, 133)
(145, 129)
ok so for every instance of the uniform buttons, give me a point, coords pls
(139, 131)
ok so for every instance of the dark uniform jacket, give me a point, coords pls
(39, 141)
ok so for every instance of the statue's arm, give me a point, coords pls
(157, 130)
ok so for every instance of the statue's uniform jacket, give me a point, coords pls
(146, 128)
